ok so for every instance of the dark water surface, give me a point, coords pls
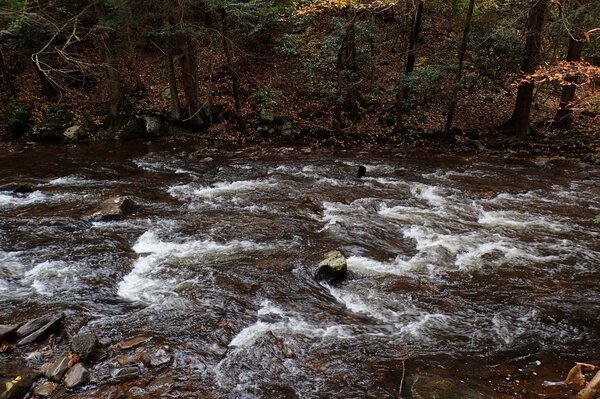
(485, 269)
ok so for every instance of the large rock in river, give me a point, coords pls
(332, 269)
(115, 208)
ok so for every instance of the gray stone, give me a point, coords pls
(161, 385)
(105, 341)
(73, 133)
(45, 389)
(137, 392)
(426, 386)
(132, 343)
(83, 344)
(332, 269)
(33, 325)
(77, 375)
(125, 374)
(267, 115)
(7, 329)
(41, 331)
(159, 358)
(56, 369)
(115, 208)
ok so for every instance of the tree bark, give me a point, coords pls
(353, 82)
(173, 93)
(461, 60)
(189, 77)
(519, 122)
(235, 78)
(564, 115)
(403, 87)
(115, 89)
(7, 86)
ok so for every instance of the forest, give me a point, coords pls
(334, 71)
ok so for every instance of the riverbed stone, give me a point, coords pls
(39, 331)
(6, 330)
(45, 389)
(77, 375)
(132, 343)
(18, 188)
(332, 269)
(161, 385)
(125, 374)
(428, 386)
(114, 208)
(83, 344)
(56, 369)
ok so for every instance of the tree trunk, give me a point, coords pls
(189, 77)
(115, 89)
(519, 122)
(173, 94)
(403, 86)
(8, 88)
(564, 115)
(229, 57)
(353, 82)
(461, 61)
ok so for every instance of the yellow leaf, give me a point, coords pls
(9, 386)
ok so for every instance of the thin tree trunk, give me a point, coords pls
(461, 61)
(352, 86)
(229, 57)
(48, 89)
(173, 94)
(519, 122)
(564, 115)
(189, 77)
(403, 87)
(115, 89)
(7, 86)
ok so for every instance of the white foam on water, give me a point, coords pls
(509, 327)
(365, 265)
(369, 305)
(418, 328)
(286, 325)
(188, 191)
(406, 214)
(16, 200)
(433, 195)
(145, 282)
(52, 278)
(160, 166)
(520, 221)
(72, 181)
(11, 269)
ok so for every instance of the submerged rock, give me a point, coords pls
(125, 374)
(16, 379)
(77, 375)
(18, 188)
(362, 171)
(132, 343)
(427, 386)
(332, 269)
(115, 208)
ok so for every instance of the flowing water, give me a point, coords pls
(486, 269)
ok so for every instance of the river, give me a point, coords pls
(482, 269)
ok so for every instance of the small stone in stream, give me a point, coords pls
(125, 374)
(105, 341)
(83, 344)
(362, 171)
(115, 208)
(56, 369)
(206, 160)
(77, 375)
(159, 358)
(45, 389)
(160, 386)
(41, 331)
(332, 269)
(132, 343)
(426, 386)
(137, 392)
(6, 330)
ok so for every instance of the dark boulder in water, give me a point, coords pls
(362, 171)
(18, 188)
(332, 269)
